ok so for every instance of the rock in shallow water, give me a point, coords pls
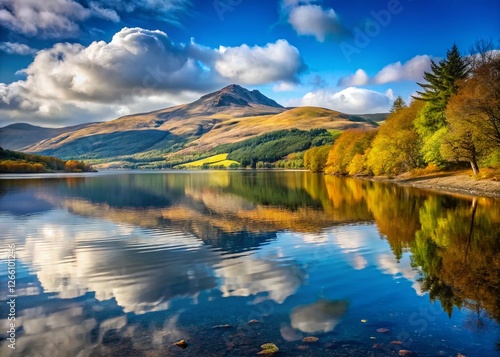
(268, 349)
(182, 344)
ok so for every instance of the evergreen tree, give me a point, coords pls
(398, 104)
(442, 83)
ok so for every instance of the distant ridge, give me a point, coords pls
(20, 136)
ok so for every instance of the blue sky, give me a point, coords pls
(66, 61)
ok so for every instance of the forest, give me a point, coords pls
(453, 122)
(279, 148)
(18, 162)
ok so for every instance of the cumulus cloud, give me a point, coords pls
(314, 20)
(62, 18)
(411, 70)
(359, 78)
(139, 66)
(48, 18)
(15, 48)
(351, 100)
(277, 61)
(310, 19)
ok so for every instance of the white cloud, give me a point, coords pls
(48, 18)
(62, 18)
(359, 78)
(310, 19)
(15, 48)
(351, 100)
(138, 68)
(104, 13)
(411, 70)
(277, 61)
(284, 87)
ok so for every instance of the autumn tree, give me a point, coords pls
(465, 139)
(396, 148)
(315, 158)
(474, 116)
(351, 142)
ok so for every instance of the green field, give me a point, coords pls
(212, 161)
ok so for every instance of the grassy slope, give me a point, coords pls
(216, 160)
(304, 118)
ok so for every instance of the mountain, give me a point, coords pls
(229, 115)
(21, 136)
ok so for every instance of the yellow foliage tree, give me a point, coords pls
(397, 146)
(350, 143)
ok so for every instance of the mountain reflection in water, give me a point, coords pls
(127, 263)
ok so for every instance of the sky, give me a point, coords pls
(65, 62)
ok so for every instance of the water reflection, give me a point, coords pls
(100, 252)
(321, 316)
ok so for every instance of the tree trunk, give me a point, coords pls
(475, 168)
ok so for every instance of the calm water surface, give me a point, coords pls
(127, 263)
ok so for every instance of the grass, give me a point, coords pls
(216, 160)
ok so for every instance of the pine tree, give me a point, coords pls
(398, 104)
(442, 82)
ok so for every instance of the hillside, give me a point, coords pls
(18, 162)
(227, 116)
(20, 136)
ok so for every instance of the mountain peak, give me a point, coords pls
(235, 95)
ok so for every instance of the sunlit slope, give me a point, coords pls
(216, 160)
(226, 116)
(303, 118)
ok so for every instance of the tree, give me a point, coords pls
(474, 117)
(397, 146)
(398, 105)
(442, 83)
(315, 158)
(350, 143)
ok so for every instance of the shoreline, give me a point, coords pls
(458, 182)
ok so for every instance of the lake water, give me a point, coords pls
(127, 263)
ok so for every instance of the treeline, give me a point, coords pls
(453, 122)
(277, 149)
(18, 162)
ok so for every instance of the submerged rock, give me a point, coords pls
(268, 349)
(310, 339)
(182, 344)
